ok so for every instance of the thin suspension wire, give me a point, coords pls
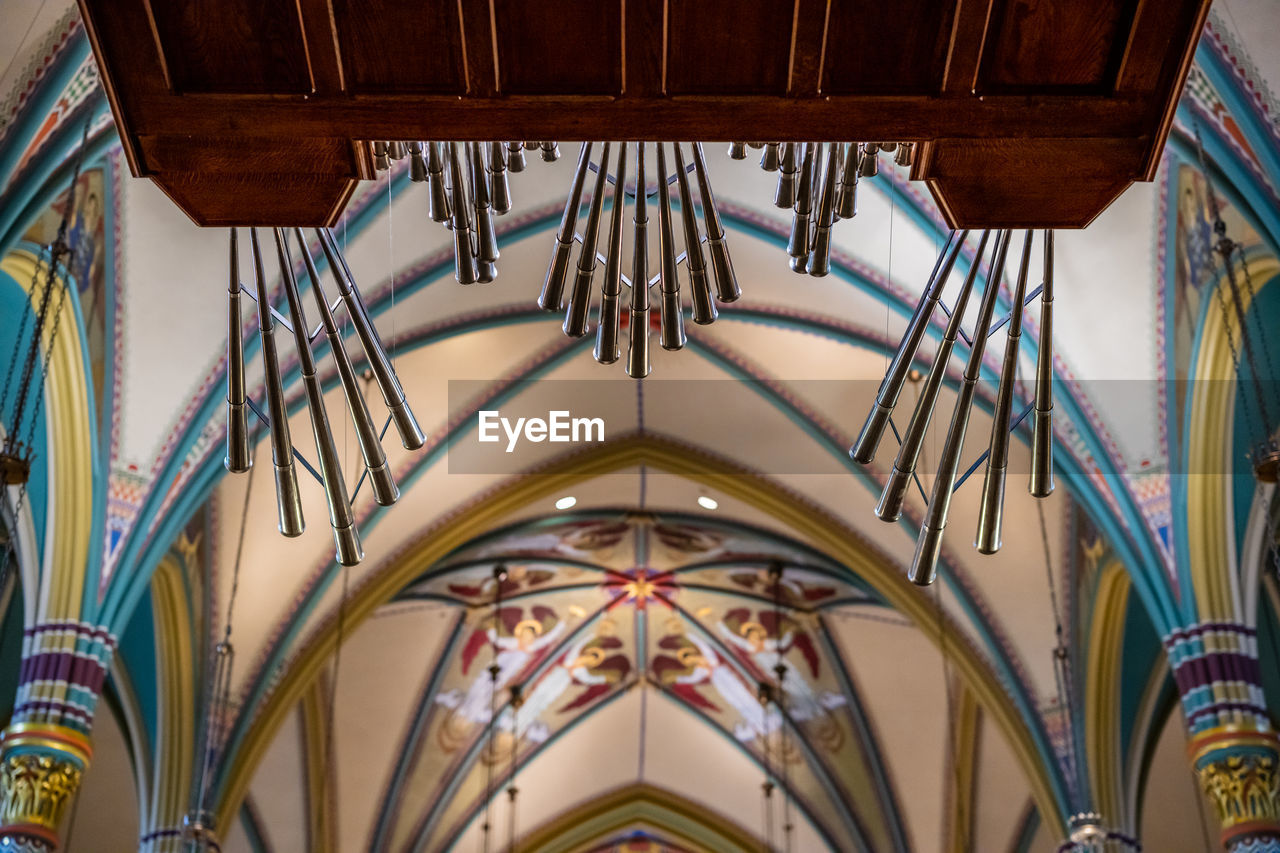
(1061, 666)
(218, 681)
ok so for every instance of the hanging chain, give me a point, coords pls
(1225, 247)
(517, 702)
(499, 577)
(780, 699)
(16, 443)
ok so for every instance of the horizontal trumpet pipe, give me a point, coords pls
(672, 317)
(575, 318)
(798, 244)
(638, 329)
(341, 519)
(924, 562)
(486, 237)
(864, 449)
(499, 186)
(991, 507)
(727, 289)
(552, 296)
(894, 493)
(411, 436)
(238, 458)
(1041, 481)
(606, 349)
(464, 260)
(847, 196)
(785, 195)
(704, 306)
(385, 491)
(288, 498)
(820, 256)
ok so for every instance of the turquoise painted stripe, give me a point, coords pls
(40, 105)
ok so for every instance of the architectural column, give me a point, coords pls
(45, 750)
(1233, 750)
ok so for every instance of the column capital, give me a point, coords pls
(41, 765)
(1239, 770)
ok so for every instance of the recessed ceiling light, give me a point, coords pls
(566, 502)
(707, 503)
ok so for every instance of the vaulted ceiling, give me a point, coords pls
(638, 622)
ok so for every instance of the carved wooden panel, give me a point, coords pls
(1029, 112)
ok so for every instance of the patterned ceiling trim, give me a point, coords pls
(1226, 46)
(68, 32)
(826, 532)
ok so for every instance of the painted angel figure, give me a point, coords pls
(803, 701)
(527, 641)
(587, 667)
(754, 720)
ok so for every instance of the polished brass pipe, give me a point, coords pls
(788, 169)
(704, 307)
(638, 313)
(381, 161)
(904, 465)
(820, 256)
(798, 245)
(864, 449)
(737, 150)
(869, 163)
(288, 499)
(383, 373)
(671, 330)
(499, 186)
(906, 154)
(396, 150)
(1041, 482)
(550, 152)
(486, 244)
(606, 349)
(771, 158)
(464, 259)
(381, 480)
(575, 318)
(991, 507)
(727, 289)
(346, 537)
(417, 163)
(515, 157)
(924, 563)
(239, 458)
(552, 296)
(847, 197)
(437, 192)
